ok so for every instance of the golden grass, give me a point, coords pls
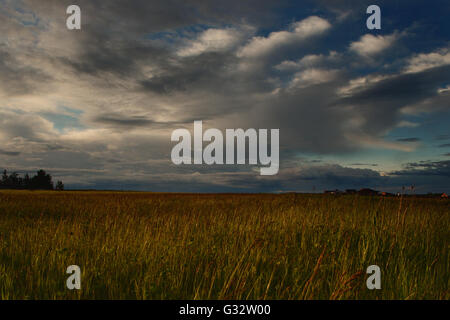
(133, 245)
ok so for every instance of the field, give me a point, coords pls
(132, 245)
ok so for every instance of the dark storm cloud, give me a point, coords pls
(404, 88)
(203, 72)
(123, 121)
(443, 137)
(152, 65)
(301, 112)
(122, 59)
(336, 175)
(121, 49)
(115, 33)
(136, 121)
(9, 153)
(144, 16)
(445, 145)
(427, 176)
(425, 168)
(382, 101)
(17, 79)
(408, 139)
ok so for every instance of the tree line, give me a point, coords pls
(40, 181)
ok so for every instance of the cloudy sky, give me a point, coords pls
(355, 107)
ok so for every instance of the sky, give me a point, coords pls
(355, 107)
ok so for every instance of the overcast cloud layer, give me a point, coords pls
(355, 107)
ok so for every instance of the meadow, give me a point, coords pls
(132, 245)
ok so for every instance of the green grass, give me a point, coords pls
(189, 246)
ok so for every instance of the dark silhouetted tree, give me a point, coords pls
(4, 178)
(14, 180)
(59, 186)
(26, 181)
(42, 181)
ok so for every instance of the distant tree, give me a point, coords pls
(59, 186)
(14, 181)
(4, 182)
(42, 181)
(26, 181)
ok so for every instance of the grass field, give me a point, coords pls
(191, 246)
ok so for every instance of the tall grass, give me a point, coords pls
(189, 246)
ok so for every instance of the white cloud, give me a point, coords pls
(369, 45)
(211, 40)
(361, 83)
(308, 61)
(300, 30)
(407, 124)
(445, 90)
(312, 76)
(426, 61)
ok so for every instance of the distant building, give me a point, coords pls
(367, 192)
(350, 191)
